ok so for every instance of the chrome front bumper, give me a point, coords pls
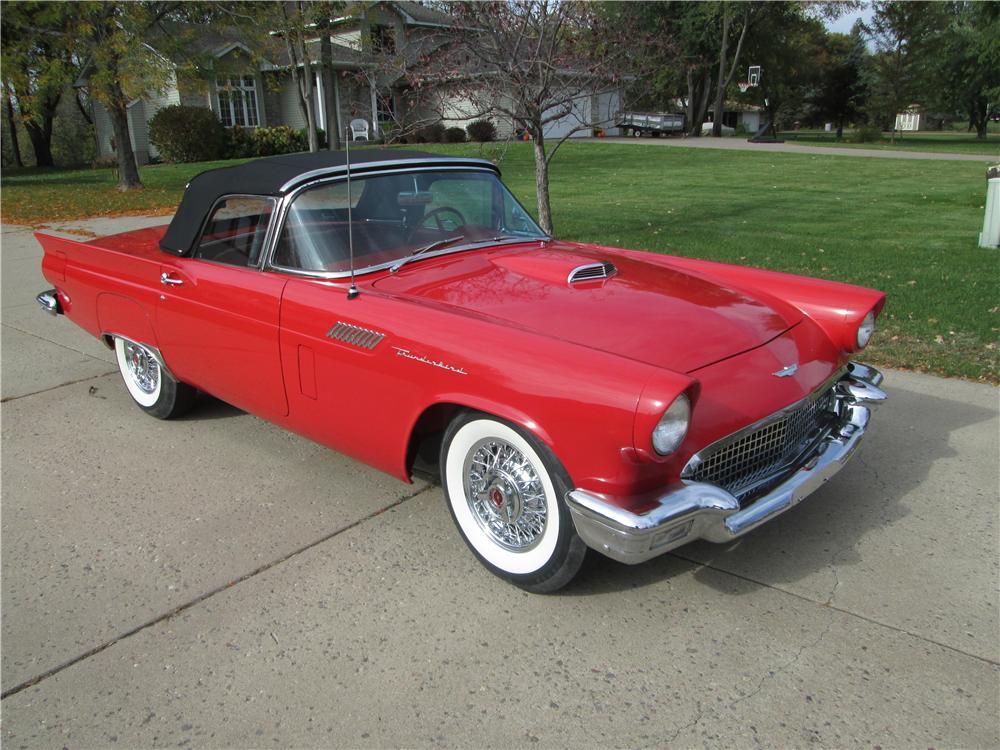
(687, 511)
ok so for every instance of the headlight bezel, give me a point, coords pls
(670, 430)
(866, 329)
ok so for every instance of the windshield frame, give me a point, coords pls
(281, 215)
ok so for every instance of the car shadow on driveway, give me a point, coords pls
(209, 407)
(905, 463)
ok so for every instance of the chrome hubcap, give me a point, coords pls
(143, 368)
(505, 494)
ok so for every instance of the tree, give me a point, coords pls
(119, 65)
(839, 94)
(37, 68)
(12, 128)
(532, 62)
(748, 13)
(905, 35)
(788, 43)
(963, 74)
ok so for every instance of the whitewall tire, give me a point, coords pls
(148, 383)
(504, 489)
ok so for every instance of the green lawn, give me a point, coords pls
(909, 228)
(940, 142)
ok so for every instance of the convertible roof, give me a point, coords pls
(277, 175)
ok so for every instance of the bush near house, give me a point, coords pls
(454, 135)
(482, 131)
(186, 134)
(429, 134)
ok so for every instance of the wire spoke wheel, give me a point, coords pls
(504, 489)
(505, 494)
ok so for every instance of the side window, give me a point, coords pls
(235, 231)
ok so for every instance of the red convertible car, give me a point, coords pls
(412, 314)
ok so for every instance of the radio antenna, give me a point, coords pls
(353, 291)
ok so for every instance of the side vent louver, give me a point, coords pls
(355, 335)
(592, 272)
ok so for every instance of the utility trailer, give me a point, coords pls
(651, 123)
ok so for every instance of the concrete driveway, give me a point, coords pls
(218, 582)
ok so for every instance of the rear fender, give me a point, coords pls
(124, 317)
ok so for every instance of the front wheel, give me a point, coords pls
(504, 489)
(149, 385)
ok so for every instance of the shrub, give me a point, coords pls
(278, 140)
(430, 134)
(867, 134)
(183, 134)
(482, 131)
(320, 136)
(239, 143)
(454, 135)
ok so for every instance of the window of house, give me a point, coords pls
(238, 101)
(235, 231)
(385, 109)
(383, 39)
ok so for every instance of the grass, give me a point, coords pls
(909, 228)
(943, 142)
(39, 196)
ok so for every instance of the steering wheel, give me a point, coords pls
(437, 213)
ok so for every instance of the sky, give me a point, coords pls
(845, 22)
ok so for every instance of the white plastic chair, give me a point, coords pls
(359, 130)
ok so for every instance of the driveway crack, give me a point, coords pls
(208, 595)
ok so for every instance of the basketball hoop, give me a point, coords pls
(744, 86)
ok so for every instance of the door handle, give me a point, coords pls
(167, 281)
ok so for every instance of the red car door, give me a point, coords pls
(217, 318)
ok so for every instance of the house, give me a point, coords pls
(258, 91)
(371, 50)
(910, 119)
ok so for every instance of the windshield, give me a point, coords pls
(396, 215)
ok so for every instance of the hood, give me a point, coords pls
(646, 311)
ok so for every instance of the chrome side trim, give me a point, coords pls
(49, 301)
(378, 166)
(109, 337)
(355, 335)
(686, 511)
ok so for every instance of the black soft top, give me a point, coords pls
(277, 175)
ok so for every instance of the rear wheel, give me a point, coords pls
(150, 386)
(504, 490)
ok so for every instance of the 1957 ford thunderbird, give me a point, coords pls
(571, 396)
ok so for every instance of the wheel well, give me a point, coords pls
(425, 439)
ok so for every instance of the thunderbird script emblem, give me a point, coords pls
(785, 372)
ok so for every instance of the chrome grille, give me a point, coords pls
(355, 335)
(591, 272)
(746, 464)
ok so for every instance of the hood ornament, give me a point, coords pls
(786, 371)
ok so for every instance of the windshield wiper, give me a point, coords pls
(425, 249)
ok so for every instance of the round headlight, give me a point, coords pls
(866, 329)
(672, 427)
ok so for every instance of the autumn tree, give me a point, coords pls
(37, 68)
(532, 63)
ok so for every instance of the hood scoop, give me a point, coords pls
(592, 272)
(557, 267)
